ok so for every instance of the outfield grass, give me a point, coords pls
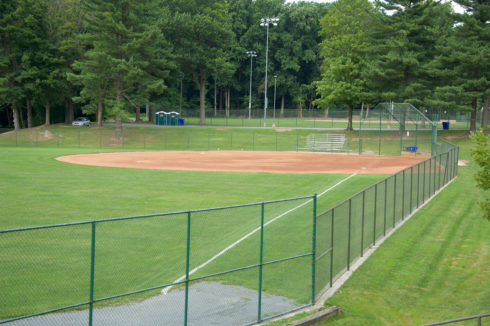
(129, 254)
(37, 190)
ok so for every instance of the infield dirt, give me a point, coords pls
(248, 161)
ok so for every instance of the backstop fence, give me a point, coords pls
(231, 265)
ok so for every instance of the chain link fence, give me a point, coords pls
(228, 266)
(346, 230)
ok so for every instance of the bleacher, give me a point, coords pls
(324, 143)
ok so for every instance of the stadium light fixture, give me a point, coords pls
(267, 21)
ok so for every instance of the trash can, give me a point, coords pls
(445, 125)
(181, 122)
(412, 149)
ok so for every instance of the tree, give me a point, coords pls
(201, 34)
(343, 49)
(127, 57)
(465, 61)
(21, 34)
(296, 58)
(481, 155)
(404, 46)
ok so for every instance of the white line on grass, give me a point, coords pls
(180, 279)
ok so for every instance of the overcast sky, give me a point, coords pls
(456, 7)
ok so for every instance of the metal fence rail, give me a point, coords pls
(452, 321)
(262, 259)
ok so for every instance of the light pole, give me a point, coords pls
(251, 54)
(266, 22)
(275, 82)
(181, 76)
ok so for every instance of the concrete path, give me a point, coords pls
(210, 303)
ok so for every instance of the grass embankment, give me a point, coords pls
(436, 267)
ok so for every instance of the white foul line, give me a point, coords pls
(180, 279)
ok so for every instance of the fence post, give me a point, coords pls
(231, 140)
(457, 159)
(187, 261)
(446, 168)
(384, 214)
(379, 141)
(92, 276)
(375, 207)
(253, 141)
(423, 187)
(297, 142)
(416, 131)
(313, 256)
(430, 176)
(439, 179)
(411, 188)
(348, 236)
(362, 223)
(394, 200)
(331, 248)
(261, 261)
(418, 184)
(78, 138)
(360, 133)
(403, 195)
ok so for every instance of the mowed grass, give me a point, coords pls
(435, 268)
(206, 138)
(46, 269)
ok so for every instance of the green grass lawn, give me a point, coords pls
(205, 138)
(437, 267)
(136, 254)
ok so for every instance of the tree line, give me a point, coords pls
(111, 58)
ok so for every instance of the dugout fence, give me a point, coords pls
(264, 259)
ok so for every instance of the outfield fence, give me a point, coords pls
(208, 139)
(230, 265)
(314, 118)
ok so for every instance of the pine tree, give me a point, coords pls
(465, 61)
(127, 58)
(403, 48)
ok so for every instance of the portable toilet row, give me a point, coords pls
(163, 118)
